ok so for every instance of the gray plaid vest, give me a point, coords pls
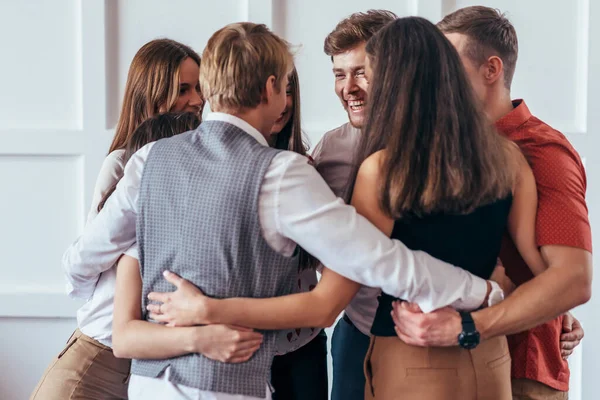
(198, 217)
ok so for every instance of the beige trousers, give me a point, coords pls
(395, 370)
(84, 369)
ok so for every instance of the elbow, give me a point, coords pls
(582, 280)
(585, 293)
(328, 318)
(119, 345)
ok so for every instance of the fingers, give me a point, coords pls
(240, 328)
(243, 346)
(159, 297)
(154, 308)
(567, 323)
(242, 356)
(569, 345)
(403, 330)
(162, 318)
(412, 307)
(571, 336)
(408, 339)
(173, 278)
(577, 329)
(566, 353)
(246, 336)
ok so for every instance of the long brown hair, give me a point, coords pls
(441, 154)
(291, 137)
(152, 83)
(154, 128)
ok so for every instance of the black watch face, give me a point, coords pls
(468, 340)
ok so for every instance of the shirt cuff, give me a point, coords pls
(476, 296)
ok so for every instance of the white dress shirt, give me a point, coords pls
(295, 207)
(95, 317)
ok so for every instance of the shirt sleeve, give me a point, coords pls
(133, 252)
(110, 172)
(309, 213)
(562, 216)
(108, 235)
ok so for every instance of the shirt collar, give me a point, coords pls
(239, 123)
(514, 119)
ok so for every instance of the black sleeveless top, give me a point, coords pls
(471, 241)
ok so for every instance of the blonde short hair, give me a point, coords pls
(237, 62)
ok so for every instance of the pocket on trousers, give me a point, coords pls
(498, 362)
(67, 347)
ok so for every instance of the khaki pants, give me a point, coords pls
(395, 370)
(526, 389)
(85, 369)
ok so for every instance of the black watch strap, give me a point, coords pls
(468, 324)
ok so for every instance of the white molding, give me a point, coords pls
(447, 6)
(581, 72)
(260, 11)
(93, 63)
(433, 10)
(95, 88)
(42, 142)
(35, 304)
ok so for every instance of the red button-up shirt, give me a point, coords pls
(562, 219)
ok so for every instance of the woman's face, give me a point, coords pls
(190, 98)
(286, 115)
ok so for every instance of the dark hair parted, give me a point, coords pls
(158, 127)
(441, 154)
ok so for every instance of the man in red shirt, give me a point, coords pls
(487, 44)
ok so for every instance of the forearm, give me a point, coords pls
(360, 252)
(302, 310)
(145, 340)
(106, 237)
(541, 299)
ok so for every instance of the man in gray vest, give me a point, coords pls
(220, 208)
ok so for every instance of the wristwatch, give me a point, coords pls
(469, 337)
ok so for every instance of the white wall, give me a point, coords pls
(65, 64)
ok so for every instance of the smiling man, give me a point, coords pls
(333, 159)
